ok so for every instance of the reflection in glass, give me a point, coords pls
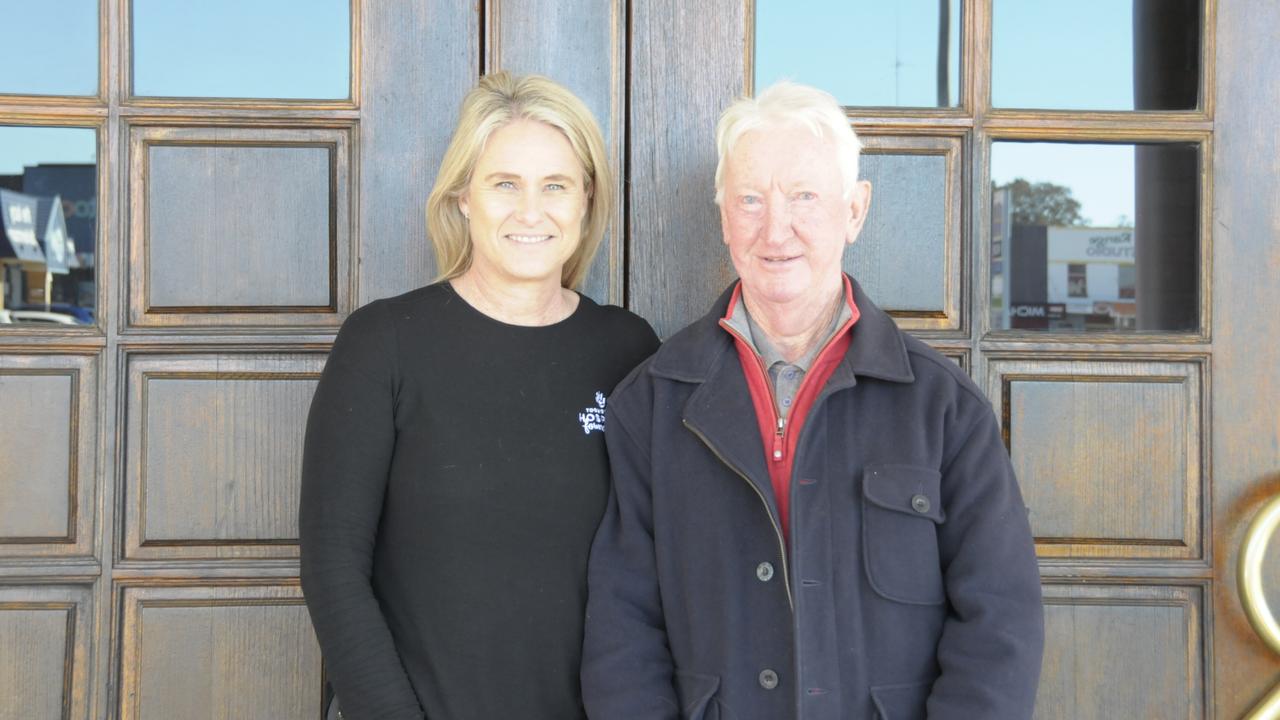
(48, 221)
(1094, 237)
(49, 48)
(864, 52)
(1096, 54)
(242, 48)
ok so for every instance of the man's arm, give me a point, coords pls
(626, 664)
(993, 639)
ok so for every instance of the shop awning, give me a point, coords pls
(18, 213)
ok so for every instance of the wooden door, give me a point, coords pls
(149, 460)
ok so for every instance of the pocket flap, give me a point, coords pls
(901, 702)
(907, 489)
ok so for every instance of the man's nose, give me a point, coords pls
(778, 221)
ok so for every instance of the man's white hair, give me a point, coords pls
(788, 103)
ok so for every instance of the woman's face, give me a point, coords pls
(526, 202)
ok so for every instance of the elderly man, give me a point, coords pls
(813, 514)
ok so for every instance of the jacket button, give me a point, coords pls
(764, 571)
(920, 504)
(768, 679)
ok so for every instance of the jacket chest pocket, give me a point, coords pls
(901, 509)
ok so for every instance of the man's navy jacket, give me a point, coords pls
(908, 587)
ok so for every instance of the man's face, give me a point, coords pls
(785, 218)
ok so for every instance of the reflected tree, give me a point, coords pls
(1044, 203)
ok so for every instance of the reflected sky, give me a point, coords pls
(23, 146)
(49, 48)
(1101, 177)
(242, 48)
(865, 52)
(1076, 55)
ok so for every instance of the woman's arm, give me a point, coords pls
(349, 444)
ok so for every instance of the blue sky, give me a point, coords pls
(1045, 54)
(1073, 55)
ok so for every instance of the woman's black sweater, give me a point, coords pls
(453, 477)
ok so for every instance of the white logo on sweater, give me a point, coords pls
(592, 418)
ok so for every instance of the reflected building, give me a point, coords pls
(61, 200)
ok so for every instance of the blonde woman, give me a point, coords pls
(455, 469)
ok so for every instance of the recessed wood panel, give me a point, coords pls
(907, 257)
(214, 454)
(47, 435)
(239, 226)
(218, 652)
(582, 45)
(44, 642)
(1122, 652)
(1108, 454)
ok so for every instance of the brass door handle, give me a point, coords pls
(1249, 582)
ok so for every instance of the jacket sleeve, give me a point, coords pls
(626, 664)
(992, 641)
(346, 456)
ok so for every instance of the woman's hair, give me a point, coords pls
(499, 99)
(788, 103)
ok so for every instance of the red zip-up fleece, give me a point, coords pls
(781, 435)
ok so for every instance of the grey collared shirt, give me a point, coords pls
(784, 377)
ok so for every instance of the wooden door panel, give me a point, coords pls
(240, 226)
(687, 64)
(45, 635)
(48, 437)
(214, 455)
(907, 257)
(218, 652)
(1108, 453)
(1123, 651)
(416, 61)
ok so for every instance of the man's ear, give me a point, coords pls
(859, 204)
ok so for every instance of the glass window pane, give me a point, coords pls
(864, 52)
(49, 48)
(1096, 54)
(289, 49)
(1101, 237)
(48, 221)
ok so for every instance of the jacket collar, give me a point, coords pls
(878, 350)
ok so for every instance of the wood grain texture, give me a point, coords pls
(45, 634)
(36, 456)
(687, 65)
(217, 653)
(1246, 371)
(580, 44)
(1108, 455)
(417, 60)
(48, 436)
(908, 257)
(238, 226)
(33, 657)
(1122, 652)
(213, 463)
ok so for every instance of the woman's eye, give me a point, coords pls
(506, 185)
(555, 186)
